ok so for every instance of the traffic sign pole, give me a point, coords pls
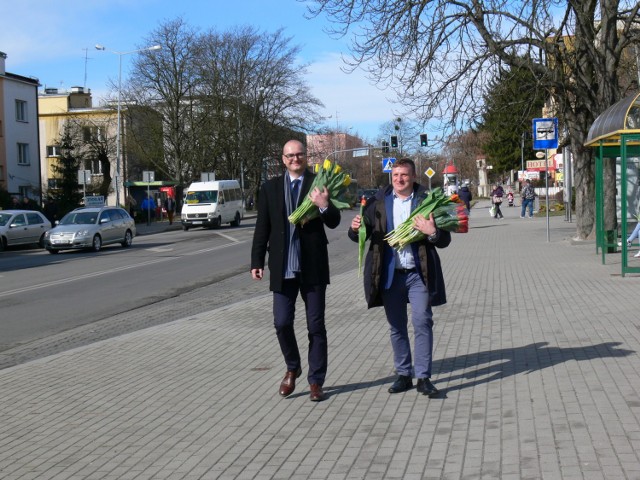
(430, 172)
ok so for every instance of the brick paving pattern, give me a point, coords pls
(536, 355)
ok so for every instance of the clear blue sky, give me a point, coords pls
(50, 40)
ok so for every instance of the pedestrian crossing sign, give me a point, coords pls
(387, 164)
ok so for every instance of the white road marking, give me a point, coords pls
(62, 281)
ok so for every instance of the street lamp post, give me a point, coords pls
(118, 141)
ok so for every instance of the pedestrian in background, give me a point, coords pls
(132, 205)
(412, 274)
(465, 195)
(527, 196)
(298, 263)
(496, 198)
(170, 207)
(149, 207)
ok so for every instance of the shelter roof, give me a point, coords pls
(621, 118)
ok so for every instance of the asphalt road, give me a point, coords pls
(52, 303)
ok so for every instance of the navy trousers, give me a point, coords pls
(284, 309)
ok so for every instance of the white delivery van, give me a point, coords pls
(210, 204)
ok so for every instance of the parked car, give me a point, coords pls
(91, 228)
(369, 192)
(22, 227)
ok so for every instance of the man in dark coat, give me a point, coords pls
(465, 195)
(298, 263)
(412, 274)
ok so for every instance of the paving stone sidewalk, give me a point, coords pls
(536, 355)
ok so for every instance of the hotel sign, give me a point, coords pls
(541, 165)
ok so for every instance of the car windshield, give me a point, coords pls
(208, 196)
(79, 218)
(4, 218)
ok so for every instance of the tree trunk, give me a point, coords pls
(584, 175)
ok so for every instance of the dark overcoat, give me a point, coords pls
(272, 230)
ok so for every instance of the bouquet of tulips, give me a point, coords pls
(330, 175)
(449, 214)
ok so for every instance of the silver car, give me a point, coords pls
(91, 228)
(22, 227)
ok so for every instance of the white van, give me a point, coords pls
(210, 204)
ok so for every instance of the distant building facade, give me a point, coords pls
(19, 149)
(59, 108)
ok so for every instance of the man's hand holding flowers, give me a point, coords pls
(320, 198)
(424, 225)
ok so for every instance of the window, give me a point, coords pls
(92, 134)
(21, 111)
(53, 150)
(95, 166)
(34, 219)
(115, 215)
(19, 220)
(23, 154)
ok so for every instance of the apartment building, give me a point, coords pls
(19, 148)
(74, 108)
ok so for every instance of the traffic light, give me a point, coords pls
(394, 141)
(423, 139)
(385, 146)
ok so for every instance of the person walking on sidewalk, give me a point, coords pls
(413, 274)
(527, 195)
(496, 198)
(170, 207)
(465, 195)
(298, 263)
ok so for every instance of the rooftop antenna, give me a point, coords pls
(86, 58)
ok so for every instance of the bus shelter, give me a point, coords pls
(615, 136)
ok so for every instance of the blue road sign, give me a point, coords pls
(545, 133)
(387, 164)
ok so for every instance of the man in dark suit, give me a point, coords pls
(298, 263)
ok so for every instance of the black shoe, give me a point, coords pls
(425, 387)
(402, 384)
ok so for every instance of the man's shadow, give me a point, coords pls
(500, 364)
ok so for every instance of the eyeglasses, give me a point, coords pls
(291, 156)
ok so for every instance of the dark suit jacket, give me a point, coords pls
(271, 235)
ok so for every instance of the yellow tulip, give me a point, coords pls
(327, 164)
(347, 181)
(316, 167)
(337, 169)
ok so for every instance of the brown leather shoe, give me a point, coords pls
(288, 384)
(317, 395)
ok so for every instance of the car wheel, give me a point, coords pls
(128, 239)
(53, 251)
(185, 228)
(97, 243)
(41, 241)
(2, 244)
(236, 222)
(219, 222)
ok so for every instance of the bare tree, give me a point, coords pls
(257, 94)
(166, 80)
(228, 100)
(439, 55)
